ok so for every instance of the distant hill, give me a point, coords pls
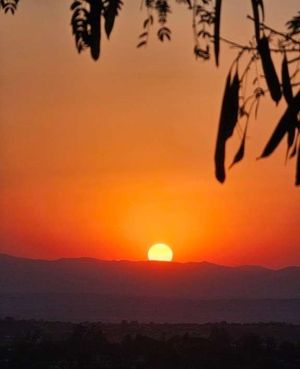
(180, 280)
(91, 289)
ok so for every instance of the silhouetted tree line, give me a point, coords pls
(86, 347)
(251, 76)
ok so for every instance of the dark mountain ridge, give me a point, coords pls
(143, 278)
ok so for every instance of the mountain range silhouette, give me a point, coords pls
(87, 289)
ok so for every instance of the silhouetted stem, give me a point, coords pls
(284, 35)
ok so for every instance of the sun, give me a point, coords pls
(160, 252)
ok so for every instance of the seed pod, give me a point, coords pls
(269, 69)
(217, 30)
(227, 123)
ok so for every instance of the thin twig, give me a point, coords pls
(251, 48)
(287, 36)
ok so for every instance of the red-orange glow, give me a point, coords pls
(104, 159)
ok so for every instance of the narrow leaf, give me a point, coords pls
(227, 123)
(298, 167)
(234, 103)
(261, 4)
(95, 23)
(255, 9)
(288, 118)
(288, 94)
(144, 34)
(220, 161)
(143, 43)
(286, 81)
(217, 30)
(220, 145)
(241, 151)
(290, 138)
(294, 150)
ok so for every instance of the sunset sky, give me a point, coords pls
(104, 159)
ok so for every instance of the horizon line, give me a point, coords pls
(148, 261)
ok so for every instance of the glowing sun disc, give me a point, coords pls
(160, 252)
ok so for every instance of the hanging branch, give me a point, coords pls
(87, 19)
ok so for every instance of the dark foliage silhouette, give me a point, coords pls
(86, 21)
(251, 76)
(48, 345)
(9, 5)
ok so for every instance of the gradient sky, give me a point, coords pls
(104, 159)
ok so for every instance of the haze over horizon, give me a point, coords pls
(90, 289)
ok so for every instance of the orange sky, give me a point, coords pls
(104, 159)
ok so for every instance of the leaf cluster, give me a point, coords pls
(262, 66)
(9, 6)
(156, 10)
(87, 19)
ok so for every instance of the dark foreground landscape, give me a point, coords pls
(30, 344)
(43, 304)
